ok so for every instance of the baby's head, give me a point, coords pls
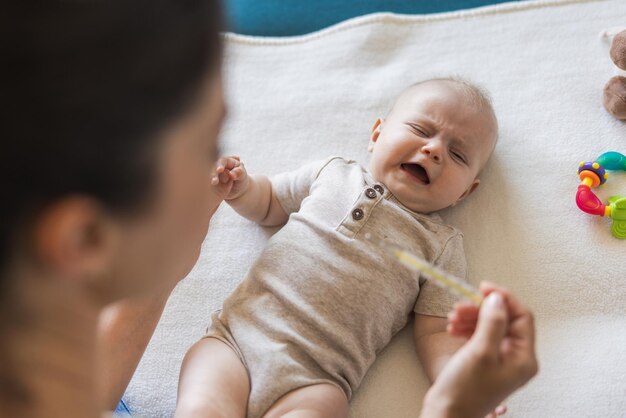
(433, 143)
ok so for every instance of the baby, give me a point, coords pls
(297, 336)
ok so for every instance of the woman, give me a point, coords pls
(114, 109)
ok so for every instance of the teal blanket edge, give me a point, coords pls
(296, 17)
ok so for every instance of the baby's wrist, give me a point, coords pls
(244, 186)
(234, 199)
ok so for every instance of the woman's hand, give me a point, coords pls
(498, 358)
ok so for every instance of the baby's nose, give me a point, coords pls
(433, 150)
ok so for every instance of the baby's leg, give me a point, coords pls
(213, 382)
(316, 401)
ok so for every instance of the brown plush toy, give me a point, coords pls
(615, 89)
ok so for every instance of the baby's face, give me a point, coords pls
(432, 146)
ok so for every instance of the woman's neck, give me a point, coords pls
(51, 349)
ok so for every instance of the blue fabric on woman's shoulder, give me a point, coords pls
(122, 410)
(294, 17)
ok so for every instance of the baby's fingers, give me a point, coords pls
(220, 165)
(227, 163)
(238, 173)
(222, 169)
(224, 177)
(500, 410)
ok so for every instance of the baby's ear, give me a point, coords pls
(375, 133)
(469, 190)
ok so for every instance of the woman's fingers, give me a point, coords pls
(464, 315)
(522, 321)
(459, 333)
(519, 344)
(465, 312)
(462, 320)
(462, 327)
(492, 325)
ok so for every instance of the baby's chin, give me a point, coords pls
(419, 204)
(425, 208)
(412, 199)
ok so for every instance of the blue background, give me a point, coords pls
(296, 17)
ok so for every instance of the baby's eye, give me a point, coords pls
(419, 130)
(459, 156)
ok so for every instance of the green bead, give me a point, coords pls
(618, 214)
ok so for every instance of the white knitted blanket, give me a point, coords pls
(294, 100)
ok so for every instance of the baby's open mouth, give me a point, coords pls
(416, 171)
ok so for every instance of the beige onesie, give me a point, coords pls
(321, 301)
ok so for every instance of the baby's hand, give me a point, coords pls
(230, 177)
(500, 410)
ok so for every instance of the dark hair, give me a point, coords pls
(86, 86)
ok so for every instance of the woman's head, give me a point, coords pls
(112, 110)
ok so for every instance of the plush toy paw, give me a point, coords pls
(618, 50)
(615, 97)
(615, 90)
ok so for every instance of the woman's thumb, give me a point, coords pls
(492, 324)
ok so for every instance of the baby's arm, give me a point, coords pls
(250, 196)
(433, 344)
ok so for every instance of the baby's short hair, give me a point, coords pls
(478, 96)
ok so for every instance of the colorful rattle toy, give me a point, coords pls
(593, 174)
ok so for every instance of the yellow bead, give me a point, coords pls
(606, 176)
(595, 165)
(581, 164)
